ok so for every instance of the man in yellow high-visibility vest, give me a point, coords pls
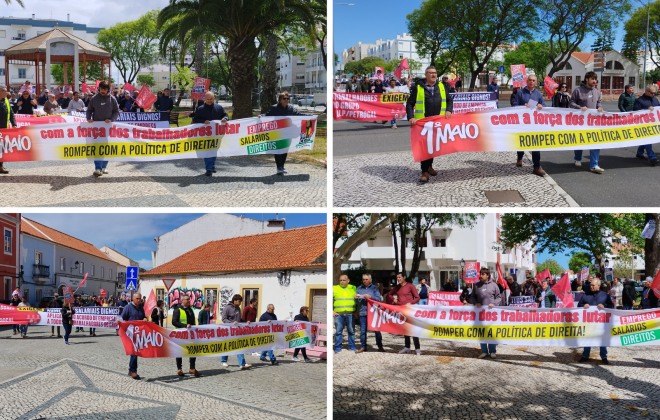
(6, 117)
(184, 317)
(343, 309)
(428, 99)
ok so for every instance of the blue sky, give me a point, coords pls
(133, 234)
(366, 23)
(560, 257)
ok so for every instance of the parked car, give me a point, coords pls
(306, 100)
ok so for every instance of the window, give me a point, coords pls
(577, 80)
(400, 44)
(211, 296)
(81, 268)
(617, 83)
(20, 35)
(22, 73)
(93, 269)
(62, 263)
(3, 34)
(26, 294)
(248, 295)
(38, 257)
(300, 63)
(618, 66)
(160, 294)
(2, 72)
(631, 80)
(38, 294)
(301, 48)
(7, 286)
(102, 272)
(566, 66)
(441, 243)
(2, 53)
(110, 274)
(164, 77)
(8, 241)
(605, 83)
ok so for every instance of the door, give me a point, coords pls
(248, 295)
(7, 288)
(211, 297)
(319, 307)
(38, 261)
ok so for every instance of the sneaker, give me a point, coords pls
(493, 356)
(284, 171)
(405, 350)
(597, 170)
(295, 359)
(97, 173)
(483, 355)
(419, 352)
(274, 362)
(66, 342)
(105, 171)
(308, 360)
(578, 164)
(246, 367)
(225, 365)
(280, 171)
(606, 362)
(209, 173)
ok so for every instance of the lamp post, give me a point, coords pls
(462, 272)
(606, 264)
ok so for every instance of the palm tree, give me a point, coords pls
(240, 22)
(20, 3)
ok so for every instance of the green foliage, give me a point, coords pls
(393, 64)
(623, 265)
(579, 260)
(93, 73)
(635, 33)
(355, 274)
(183, 77)
(132, 44)
(552, 265)
(364, 67)
(146, 79)
(533, 54)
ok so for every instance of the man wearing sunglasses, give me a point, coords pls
(282, 109)
(584, 97)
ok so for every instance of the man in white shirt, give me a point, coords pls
(76, 104)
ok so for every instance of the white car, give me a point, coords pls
(306, 100)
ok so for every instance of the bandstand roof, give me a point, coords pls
(38, 45)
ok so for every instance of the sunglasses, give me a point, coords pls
(285, 99)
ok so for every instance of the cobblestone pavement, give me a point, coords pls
(45, 379)
(392, 180)
(448, 382)
(239, 182)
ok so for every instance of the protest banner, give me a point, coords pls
(609, 275)
(140, 119)
(146, 339)
(444, 299)
(145, 98)
(200, 87)
(66, 89)
(649, 229)
(388, 106)
(569, 327)
(67, 291)
(585, 273)
(472, 272)
(122, 142)
(521, 128)
(523, 302)
(379, 74)
(518, 75)
(87, 316)
(104, 293)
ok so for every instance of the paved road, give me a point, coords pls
(43, 378)
(524, 382)
(239, 182)
(362, 149)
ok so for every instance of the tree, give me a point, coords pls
(535, 55)
(635, 33)
(391, 66)
(240, 22)
(409, 231)
(604, 41)
(565, 24)
(652, 247)
(183, 77)
(558, 232)
(353, 230)
(93, 72)
(364, 67)
(146, 79)
(555, 268)
(623, 265)
(132, 44)
(579, 260)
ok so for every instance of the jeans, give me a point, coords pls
(363, 333)
(393, 122)
(16, 327)
(423, 301)
(271, 356)
(132, 364)
(340, 322)
(587, 352)
(627, 308)
(24, 329)
(67, 332)
(594, 154)
(179, 362)
(301, 350)
(488, 348)
(241, 359)
(536, 158)
(209, 163)
(406, 342)
(100, 165)
(649, 151)
(279, 160)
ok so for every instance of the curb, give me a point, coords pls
(571, 202)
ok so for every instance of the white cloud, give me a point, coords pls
(146, 264)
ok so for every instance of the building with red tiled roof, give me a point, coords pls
(287, 268)
(52, 260)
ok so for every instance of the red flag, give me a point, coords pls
(402, 65)
(500, 278)
(150, 304)
(550, 85)
(562, 290)
(83, 282)
(97, 84)
(543, 275)
(129, 87)
(85, 88)
(658, 84)
(145, 98)
(215, 312)
(655, 286)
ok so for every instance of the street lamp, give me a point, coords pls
(462, 271)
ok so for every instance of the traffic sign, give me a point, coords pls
(130, 284)
(501, 69)
(131, 273)
(168, 283)
(597, 266)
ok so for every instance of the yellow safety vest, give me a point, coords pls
(183, 318)
(344, 299)
(419, 105)
(8, 112)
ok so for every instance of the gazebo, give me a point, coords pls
(55, 47)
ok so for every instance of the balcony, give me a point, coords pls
(438, 253)
(377, 253)
(40, 272)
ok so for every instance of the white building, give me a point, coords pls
(301, 73)
(356, 53)
(401, 47)
(444, 247)
(14, 30)
(286, 268)
(210, 227)
(619, 72)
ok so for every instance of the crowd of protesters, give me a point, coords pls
(350, 303)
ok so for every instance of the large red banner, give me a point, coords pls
(370, 106)
(445, 299)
